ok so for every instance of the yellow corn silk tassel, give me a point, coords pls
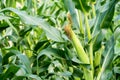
(80, 51)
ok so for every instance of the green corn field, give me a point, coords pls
(59, 39)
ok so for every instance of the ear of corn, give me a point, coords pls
(80, 51)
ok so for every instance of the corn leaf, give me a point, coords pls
(104, 17)
(51, 32)
(108, 57)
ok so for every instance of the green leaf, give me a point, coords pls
(0, 63)
(107, 75)
(117, 32)
(8, 3)
(3, 24)
(93, 1)
(108, 57)
(108, 53)
(77, 72)
(22, 57)
(117, 47)
(2, 17)
(51, 32)
(98, 41)
(50, 52)
(23, 32)
(65, 73)
(18, 78)
(6, 58)
(11, 71)
(33, 76)
(82, 5)
(117, 18)
(104, 19)
(107, 21)
(29, 76)
(41, 44)
(117, 70)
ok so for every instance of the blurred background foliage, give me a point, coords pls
(34, 46)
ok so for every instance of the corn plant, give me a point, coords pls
(98, 19)
(59, 40)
